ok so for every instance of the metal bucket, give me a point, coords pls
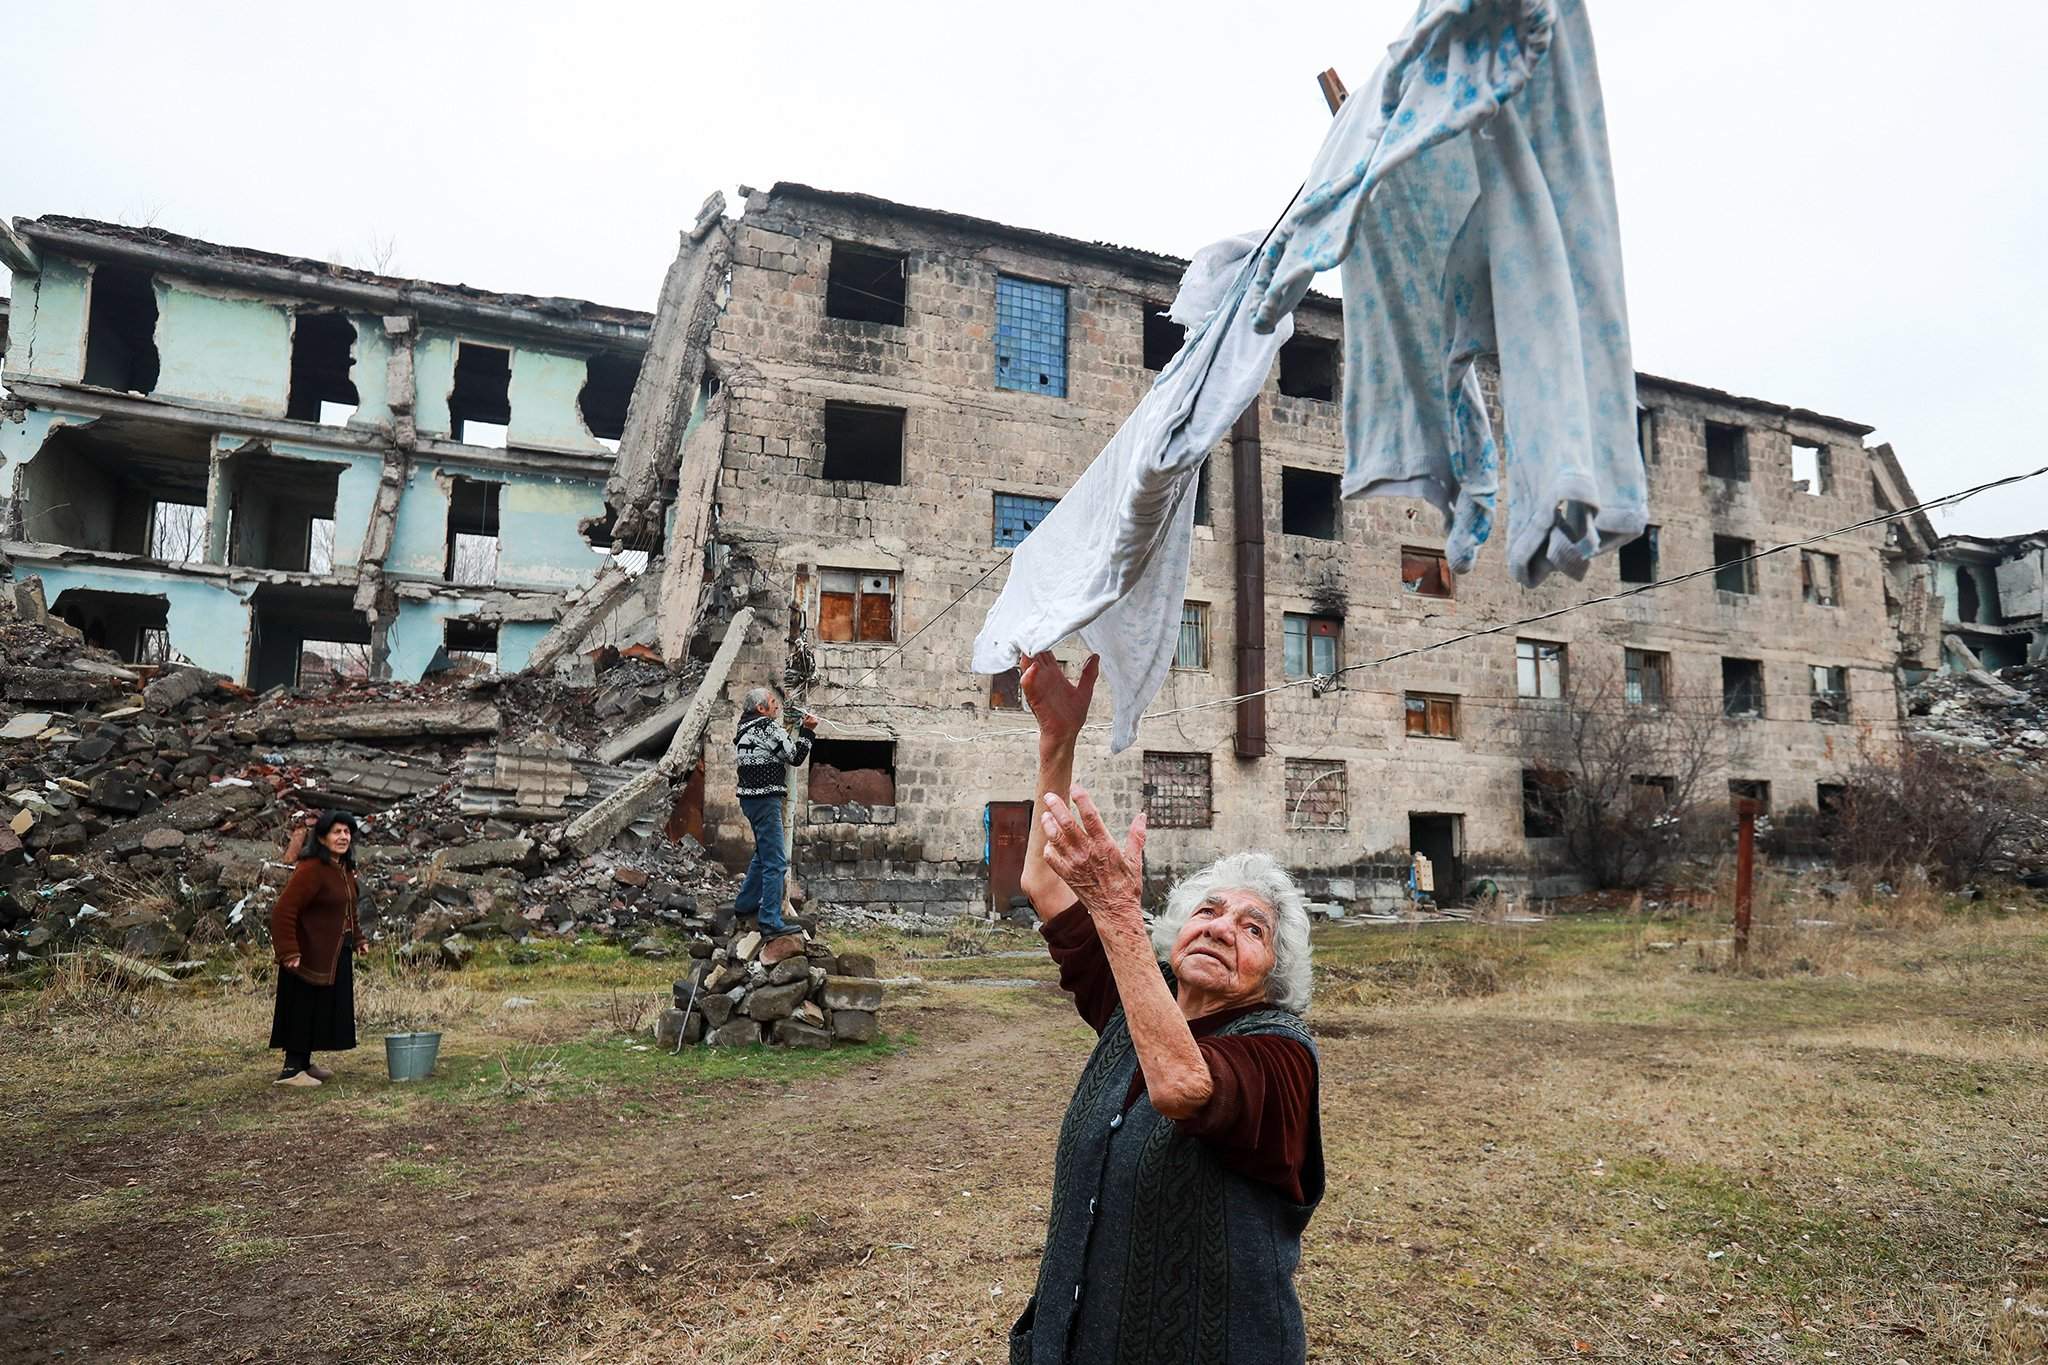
(411, 1056)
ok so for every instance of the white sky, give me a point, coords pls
(1828, 203)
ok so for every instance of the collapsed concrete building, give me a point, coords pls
(901, 394)
(1994, 591)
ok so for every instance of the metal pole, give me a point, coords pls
(1745, 873)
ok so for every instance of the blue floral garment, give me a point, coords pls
(1466, 194)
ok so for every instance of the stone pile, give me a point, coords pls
(2002, 715)
(730, 998)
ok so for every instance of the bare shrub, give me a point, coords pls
(1957, 817)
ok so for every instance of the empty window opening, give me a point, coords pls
(471, 646)
(1727, 451)
(1177, 791)
(1646, 434)
(132, 625)
(1742, 687)
(1830, 694)
(1734, 570)
(1163, 336)
(1017, 516)
(866, 284)
(1545, 792)
(120, 329)
(1316, 798)
(320, 545)
(1644, 674)
(323, 663)
(863, 444)
(323, 354)
(608, 379)
(856, 606)
(1820, 576)
(1204, 514)
(1828, 799)
(1638, 558)
(1006, 690)
(280, 512)
(1750, 789)
(480, 403)
(1310, 503)
(1811, 471)
(1539, 670)
(1192, 652)
(1308, 368)
(853, 772)
(1424, 573)
(1977, 599)
(309, 636)
(1031, 336)
(472, 532)
(1650, 794)
(1311, 646)
(177, 532)
(1430, 717)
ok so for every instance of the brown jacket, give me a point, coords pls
(314, 911)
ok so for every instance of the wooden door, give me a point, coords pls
(1009, 831)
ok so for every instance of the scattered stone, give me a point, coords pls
(519, 1002)
(162, 839)
(854, 1026)
(792, 1033)
(27, 725)
(717, 1008)
(457, 950)
(650, 947)
(788, 970)
(857, 964)
(852, 993)
(744, 948)
(736, 1032)
(629, 876)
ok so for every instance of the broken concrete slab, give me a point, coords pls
(485, 853)
(605, 592)
(27, 725)
(180, 685)
(402, 721)
(59, 685)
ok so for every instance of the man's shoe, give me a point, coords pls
(320, 1073)
(305, 1080)
(782, 946)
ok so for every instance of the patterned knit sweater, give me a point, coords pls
(765, 749)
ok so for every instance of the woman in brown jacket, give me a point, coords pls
(314, 933)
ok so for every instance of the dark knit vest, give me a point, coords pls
(1154, 1250)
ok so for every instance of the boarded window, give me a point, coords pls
(1544, 794)
(1727, 451)
(1830, 694)
(1424, 573)
(1812, 470)
(1310, 503)
(866, 284)
(1750, 789)
(1431, 717)
(856, 606)
(1645, 672)
(1316, 797)
(1031, 336)
(1734, 570)
(1308, 368)
(863, 444)
(848, 772)
(1638, 558)
(1177, 791)
(1742, 687)
(480, 403)
(1163, 336)
(1539, 670)
(1311, 646)
(473, 532)
(1193, 650)
(1820, 578)
(1006, 690)
(1017, 516)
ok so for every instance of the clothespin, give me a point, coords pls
(1333, 88)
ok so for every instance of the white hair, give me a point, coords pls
(757, 698)
(1291, 980)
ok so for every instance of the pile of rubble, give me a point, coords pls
(730, 998)
(2002, 715)
(146, 809)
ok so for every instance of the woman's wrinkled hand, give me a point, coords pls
(292, 962)
(1108, 880)
(1059, 705)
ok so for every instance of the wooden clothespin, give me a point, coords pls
(1333, 88)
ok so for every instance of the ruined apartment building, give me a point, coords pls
(906, 393)
(1992, 598)
(265, 464)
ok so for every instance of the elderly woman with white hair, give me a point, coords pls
(1191, 1155)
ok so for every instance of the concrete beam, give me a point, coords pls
(15, 252)
(681, 597)
(606, 591)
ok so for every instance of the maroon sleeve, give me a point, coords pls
(1084, 967)
(1258, 1113)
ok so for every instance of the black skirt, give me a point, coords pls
(314, 1018)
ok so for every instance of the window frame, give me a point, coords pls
(1434, 567)
(1200, 623)
(1012, 293)
(1636, 662)
(996, 516)
(1561, 673)
(1830, 706)
(1433, 705)
(1732, 554)
(860, 593)
(1807, 591)
(1315, 626)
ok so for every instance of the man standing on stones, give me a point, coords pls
(766, 753)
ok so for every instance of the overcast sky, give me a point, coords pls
(1835, 204)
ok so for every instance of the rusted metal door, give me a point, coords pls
(1009, 831)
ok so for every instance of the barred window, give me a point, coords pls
(1017, 516)
(1031, 336)
(1177, 790)
(1646, 671)
(1315, 793)
(1193, 650)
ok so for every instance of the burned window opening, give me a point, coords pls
(134, 625)
(852, 772)
(472, 532)
(471, 646)
(1727, 451)
(1742, 687)
(120, 330)
(1311, 503)
(863, 444)
(1637, 559)
(608, 379)
(1308, 368)
(323, 355)
(1163, 337)
(1734, 570)
(480, 402)
(866, 284)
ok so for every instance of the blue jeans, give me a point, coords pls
(761, 893)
